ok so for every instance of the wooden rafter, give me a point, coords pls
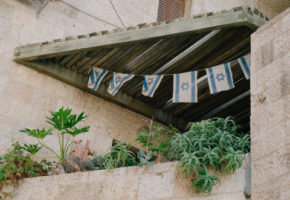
(204, 23)
(157, 48)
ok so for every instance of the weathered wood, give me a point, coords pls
(225, 105)
(120, 98)
(183, 54)
(203, 24)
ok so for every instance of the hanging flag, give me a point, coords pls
(150, 84)
(245, 63)
(220, 78)
(117, 81)
(185, 87)
(96, 77)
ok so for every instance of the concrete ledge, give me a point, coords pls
(159, 182)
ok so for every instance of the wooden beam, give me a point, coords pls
(199, 24)
(120, 98)
(183, 54)
(224, 106)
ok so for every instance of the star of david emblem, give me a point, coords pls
(97, 74)
(150, 81)
(185, 86)
(118, 79)
(220, 77)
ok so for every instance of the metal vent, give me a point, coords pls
(169, 10)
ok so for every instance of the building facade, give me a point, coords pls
(27, 96)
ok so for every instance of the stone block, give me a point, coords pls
(267, 53)
(163, 186)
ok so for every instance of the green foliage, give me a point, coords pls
(157, 139)
(32, 148)
(204, 181)
(15, 165)
(144, 158)
(39, 134)
(64, 123)
(120, 156)
(188, 163)
(214, 143)
(232, 160)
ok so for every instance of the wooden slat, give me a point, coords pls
(120, 98)
(231, 18)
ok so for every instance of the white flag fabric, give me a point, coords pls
(185, 87)
(150, 84)
(245, 63)
(96, 77)
(117, 81)
(220, 78)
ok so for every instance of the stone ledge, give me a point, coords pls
(148, 183)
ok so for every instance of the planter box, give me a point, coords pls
(160, 182)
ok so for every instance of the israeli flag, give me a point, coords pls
(150, 84)
(245, 63)
(117, 81)
(220, 78)
(185, 87)
(96, 77)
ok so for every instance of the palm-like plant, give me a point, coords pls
(64, 124)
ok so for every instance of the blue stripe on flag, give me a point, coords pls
(155, 85)
(145, 83)
(211, 75)
(176, 87)
(193, 86)
(92, 76)
(245, 65)
(112, 81)
(117, 88)
(229, 78)
(99, 78)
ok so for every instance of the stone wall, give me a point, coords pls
(270, 97)
(269, 8)
(26, 96)
(160, 182)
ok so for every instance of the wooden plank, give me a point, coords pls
(183, 54)
(225, 105)
(74, 59)
(232, 18)
(120, 98)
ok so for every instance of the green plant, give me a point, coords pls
(157, 139)
(204, 181)
(119, 156)
(232, 160)
(144, 158)
(64, 123)
(32, 148)
(214, 143)
(189, 162)
(15, 165)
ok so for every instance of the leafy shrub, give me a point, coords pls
(120, 156)
(144, 158)
(64, 123)
(214, 143)
(15, 165)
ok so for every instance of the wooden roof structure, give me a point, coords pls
(157, 48)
